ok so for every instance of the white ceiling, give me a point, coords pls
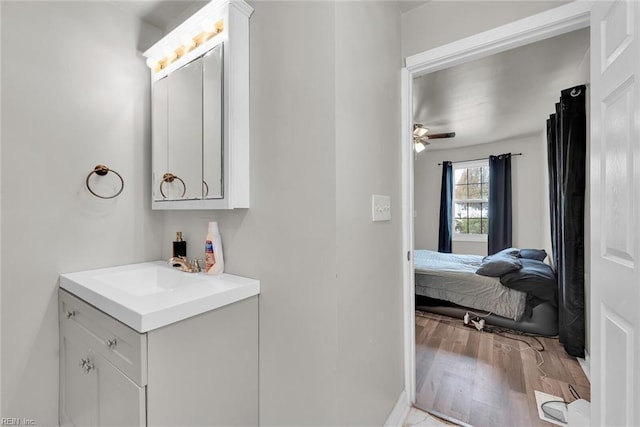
(501, 97)
(161, 13)
(407, 5)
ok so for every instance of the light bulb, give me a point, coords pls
(170, 55)
(419, 147)
(419, 131)
(208, 26)
(187, 42)
(152, 63)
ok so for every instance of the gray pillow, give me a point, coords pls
(498, 264)
(508, 251)
(537, 254)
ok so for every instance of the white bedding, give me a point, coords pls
(451, 277)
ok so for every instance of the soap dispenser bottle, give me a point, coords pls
(179, 246)
(213, 258)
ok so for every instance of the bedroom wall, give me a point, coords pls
(529, 193)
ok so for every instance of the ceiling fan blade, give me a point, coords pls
(442, 135)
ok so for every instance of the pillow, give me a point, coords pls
(508, 251)
(537, 254)
(535, 278)
(498, 264)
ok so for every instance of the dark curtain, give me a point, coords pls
(446, 213)
(500, 221)
(566, 145)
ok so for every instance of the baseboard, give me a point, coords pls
(585, 364)
(399, 411)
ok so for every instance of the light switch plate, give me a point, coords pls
(380, 208)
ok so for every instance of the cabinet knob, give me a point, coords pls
(112, 342)
(86, 365)
(69, 314)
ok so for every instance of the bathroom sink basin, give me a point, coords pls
(150, 295)
(148, 280)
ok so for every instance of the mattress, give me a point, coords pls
(451, 277)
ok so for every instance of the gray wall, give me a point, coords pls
(324, 137)
(369, 255)
(75, 93)
(530, 193)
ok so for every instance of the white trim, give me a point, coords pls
(550, 23)
(399, 411)
(553, 22)
(406, 82)
(462, 237)
(470, 164)
(585, 364)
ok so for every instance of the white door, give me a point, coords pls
(615, 222)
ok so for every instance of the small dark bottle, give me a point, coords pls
(179, 246)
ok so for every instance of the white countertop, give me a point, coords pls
(150, 295)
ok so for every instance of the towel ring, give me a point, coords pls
(205, 188)
(169, 177)
(102, 170)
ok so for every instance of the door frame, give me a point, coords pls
(550, 23)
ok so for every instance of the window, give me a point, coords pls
(471, 200)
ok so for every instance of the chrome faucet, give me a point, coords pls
(184, 264)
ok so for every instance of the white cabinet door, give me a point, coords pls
(119, 400)
(78, 391)
(93, 392)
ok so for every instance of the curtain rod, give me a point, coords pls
(475, 160)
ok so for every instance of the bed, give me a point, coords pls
(520, 295)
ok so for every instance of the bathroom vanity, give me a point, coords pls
(144, 344)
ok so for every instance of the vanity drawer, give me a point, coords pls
(124, 347)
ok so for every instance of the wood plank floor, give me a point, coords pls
(486, 379)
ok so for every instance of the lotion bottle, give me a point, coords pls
(213, 257)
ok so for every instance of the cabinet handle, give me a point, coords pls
(86, 365)
(111, 343)
(69, 314)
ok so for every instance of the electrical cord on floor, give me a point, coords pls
(502, 331)
(574, 392)
(547, 414)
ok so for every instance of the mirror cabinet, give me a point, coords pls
(200, 110)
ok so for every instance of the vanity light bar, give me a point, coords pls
(209, 30)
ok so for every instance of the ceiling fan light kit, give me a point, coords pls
(419, 130)
(419, 146)
(421, 138)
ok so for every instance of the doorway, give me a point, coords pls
(535, 28)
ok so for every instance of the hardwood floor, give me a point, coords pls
(486, 379)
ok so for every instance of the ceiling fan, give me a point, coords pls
(421, 137)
